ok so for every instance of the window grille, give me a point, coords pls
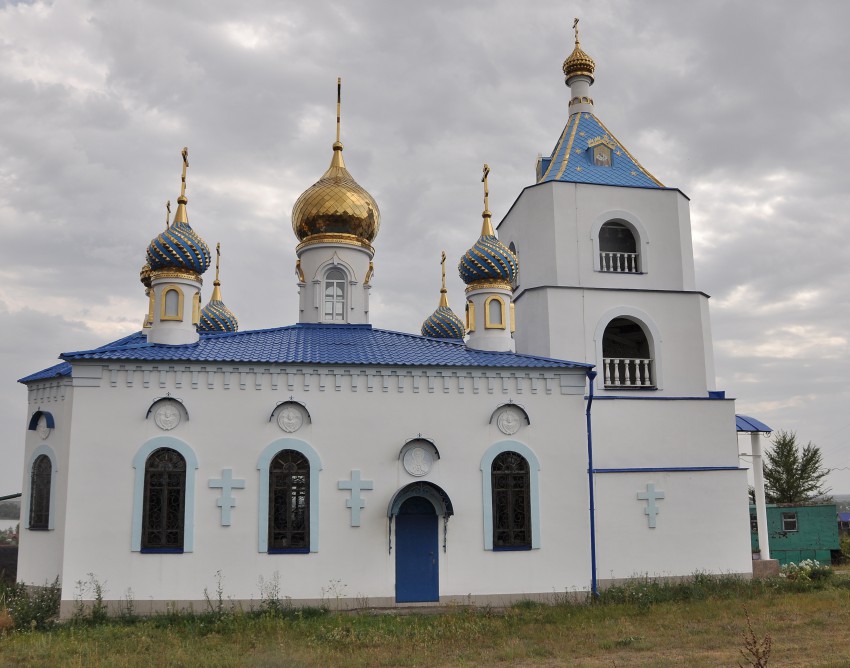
(165, 501)
(42, 471)
(511, 502)
(289, 502)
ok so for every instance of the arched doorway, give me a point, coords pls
(415, 510)
(417, 558)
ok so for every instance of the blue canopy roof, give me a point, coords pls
(572, 160)
(311, 344)
(750, 424)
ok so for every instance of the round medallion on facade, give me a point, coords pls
(42, 429)
(167, 415)
(508, 421)
(290, 418)
(417, 461)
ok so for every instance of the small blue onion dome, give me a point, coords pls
(179, 247)
(443, 324)
(216, 317)
(488, 260)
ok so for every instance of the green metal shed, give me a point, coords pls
(799, 532)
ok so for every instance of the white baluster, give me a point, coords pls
(616, 371)
(606, 364)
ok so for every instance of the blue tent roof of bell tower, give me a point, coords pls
(572, 160)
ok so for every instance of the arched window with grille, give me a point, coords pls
(510, 472)
(511, 484)
(164, 507)
(289, 502)
(40, 483)
(334, 295)
(39, 499)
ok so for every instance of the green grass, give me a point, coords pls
(644, 623)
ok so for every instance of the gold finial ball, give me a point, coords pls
(579, 63)
(336, 204)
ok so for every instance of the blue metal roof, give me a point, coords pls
(315, 344)
(572, 159)
(55, 371)
(750, 424)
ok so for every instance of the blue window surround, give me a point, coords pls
(533, 469)
(263, 465)
(139, 493)
(51, 423)
(27, 497)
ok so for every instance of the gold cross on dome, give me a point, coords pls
(443, 269)
(575, 28)
(185, 154)
(486, 187)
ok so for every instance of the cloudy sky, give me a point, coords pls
(744, 106)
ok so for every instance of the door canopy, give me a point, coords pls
(428, 490)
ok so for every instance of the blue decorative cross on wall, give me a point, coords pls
(226, 500)
(356, 502)
(651, 496)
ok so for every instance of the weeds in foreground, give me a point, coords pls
(29, 608)
(756, 651)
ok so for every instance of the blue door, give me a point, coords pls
(417, 576)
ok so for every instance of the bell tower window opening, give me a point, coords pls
(627, 359)
(334, 297)
(618, 249)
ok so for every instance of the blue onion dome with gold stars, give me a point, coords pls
(215, 316)
(443, 323)
(179, 246)
(336, 204)
(489, 260)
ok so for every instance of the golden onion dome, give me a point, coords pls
(578, 62)
(336, 204)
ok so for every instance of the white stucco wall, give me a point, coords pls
(40, 552)
(362, 429)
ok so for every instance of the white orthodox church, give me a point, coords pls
(565, 434)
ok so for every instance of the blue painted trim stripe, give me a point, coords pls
(622, 397)
(670, 469)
